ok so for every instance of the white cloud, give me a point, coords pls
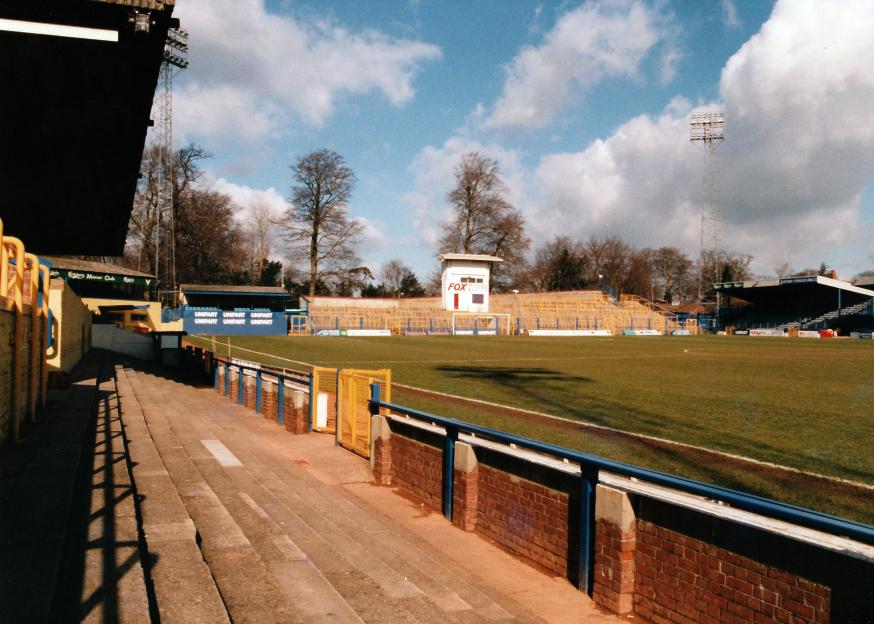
(729, 14)
(597, 40)
(798, 154)
(223, 113)
(247, 64)
(244, 197)
(372, 234)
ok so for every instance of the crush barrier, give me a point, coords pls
(639, 541)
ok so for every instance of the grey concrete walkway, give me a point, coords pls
(293, 529)
(192, 509)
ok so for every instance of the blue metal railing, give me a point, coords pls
(590, 466)
(302, 379)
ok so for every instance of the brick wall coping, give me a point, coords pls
(820, 539)
(529, 456)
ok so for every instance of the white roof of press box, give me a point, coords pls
(473, 257)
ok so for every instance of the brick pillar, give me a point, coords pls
(465, 487)
(234, 378)
(249, 391)
(615, 541)
(296, 417)
(268, 399)
(380, 450)
(221, 379)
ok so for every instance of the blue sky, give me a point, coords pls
(583, 104)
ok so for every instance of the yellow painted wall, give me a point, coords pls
(149, 319)
(72, 327)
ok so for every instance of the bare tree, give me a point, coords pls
(210, 244)
(559, 264)
(784, 269)
(259, 235)
(146, 221)
(483, 221)
(673, 274)
(392, 276)
(318, 227)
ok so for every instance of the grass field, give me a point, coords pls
(805, 404)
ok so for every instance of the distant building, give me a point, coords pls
(465, 281)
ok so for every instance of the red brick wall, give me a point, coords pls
(268, 400)
(684, 580)
(525, 517)
(234, 377)
(417, 469)
(249, 391)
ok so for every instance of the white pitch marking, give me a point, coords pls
(221, 453)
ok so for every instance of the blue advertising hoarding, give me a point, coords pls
(234, 322)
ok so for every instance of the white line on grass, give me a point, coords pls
(579, 423)
(641, 436)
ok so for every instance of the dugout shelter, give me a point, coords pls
(809, 302)
(224, 310)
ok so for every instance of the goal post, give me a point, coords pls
(480, 323)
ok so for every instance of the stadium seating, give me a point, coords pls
(509, 313)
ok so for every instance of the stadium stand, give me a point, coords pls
(508, 313)
(797, 303)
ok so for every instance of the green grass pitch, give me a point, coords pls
(804, 404)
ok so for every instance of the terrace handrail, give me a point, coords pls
(748, 502)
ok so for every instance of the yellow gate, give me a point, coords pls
(353, 393)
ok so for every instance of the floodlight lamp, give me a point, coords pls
(142, 23)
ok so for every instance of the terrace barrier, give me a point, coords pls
(663, 547)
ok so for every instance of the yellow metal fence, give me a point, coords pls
(353, 393)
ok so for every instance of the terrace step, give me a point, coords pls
(248, 590)
(184, 588)
(329, 555)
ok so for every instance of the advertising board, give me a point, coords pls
(234, 323)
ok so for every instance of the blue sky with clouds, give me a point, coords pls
(584, 105)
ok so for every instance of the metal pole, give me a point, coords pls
(374, 398)
(449, 470)
(280, 399)
(586, 533)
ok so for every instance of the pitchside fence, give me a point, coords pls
(326, 400)
(665, 548)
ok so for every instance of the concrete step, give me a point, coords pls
(183, 584)
(352, 595)
(248, 589)
(325, 523)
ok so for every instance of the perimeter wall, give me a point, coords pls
(661, 555)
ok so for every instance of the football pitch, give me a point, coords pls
(801, 404)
